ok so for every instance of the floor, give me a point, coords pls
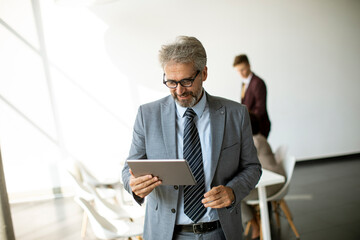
(324, 199)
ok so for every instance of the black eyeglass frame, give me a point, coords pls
(191, 81)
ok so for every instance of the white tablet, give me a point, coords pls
(170, 171)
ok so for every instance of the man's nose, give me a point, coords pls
(180, 89)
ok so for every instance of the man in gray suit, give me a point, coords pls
(226, 168)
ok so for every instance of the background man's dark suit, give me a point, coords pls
(255, 100)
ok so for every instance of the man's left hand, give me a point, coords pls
(218, 197)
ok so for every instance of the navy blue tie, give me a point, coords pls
(193, 195)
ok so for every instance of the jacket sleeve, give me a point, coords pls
(260, 99)
(137, 151)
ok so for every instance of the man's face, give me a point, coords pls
(243, 69)
(185, 96)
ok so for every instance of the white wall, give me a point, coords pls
(104, 65)
(308, 52)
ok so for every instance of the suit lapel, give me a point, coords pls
(168, 123)
(217, 123)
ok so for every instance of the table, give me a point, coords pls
(267, 178)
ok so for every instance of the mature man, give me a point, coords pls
(253, 93)
(213, 134)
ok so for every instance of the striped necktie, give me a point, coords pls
(193, 194)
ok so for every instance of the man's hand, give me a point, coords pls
(218, 197)
(142, 186)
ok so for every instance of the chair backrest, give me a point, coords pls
(98, 222)
(280, 153)
(116, 210)
(109, 229)
(289, 165)
(81, 190)
(86, 175)
(107, 209)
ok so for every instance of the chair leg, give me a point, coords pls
(261, 233)
(137, 237)
(247, 229)
(84, 225)
(276, 210)
(258, 219)
(286, 210)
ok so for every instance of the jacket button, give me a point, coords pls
(176, 187)
(173, 210)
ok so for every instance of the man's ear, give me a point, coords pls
(204, 74)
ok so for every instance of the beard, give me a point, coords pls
(187, 103)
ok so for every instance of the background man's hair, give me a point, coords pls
(242, 58)
(184, 50)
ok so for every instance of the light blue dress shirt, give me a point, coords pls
(202, 122)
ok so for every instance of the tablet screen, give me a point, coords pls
(170, 171)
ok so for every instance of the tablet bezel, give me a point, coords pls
(170, 171)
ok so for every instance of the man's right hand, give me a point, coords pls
(142, 186)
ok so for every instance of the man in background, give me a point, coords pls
(213, 134)
(253, 93)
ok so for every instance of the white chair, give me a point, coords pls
(88, 188)
(116, 210)
(281, 153)
(113, 189)
(81, 189)
(277, 199)
(90, 179)
(79, 174)
(84, 192)
(109, 229)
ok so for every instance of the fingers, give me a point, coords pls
(132, 174)
(145, 189)
(218, 197)
(213, 191)
(142, 186)
(136, 180)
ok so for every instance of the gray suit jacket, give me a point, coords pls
(234, 161)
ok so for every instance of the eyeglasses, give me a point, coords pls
(187, 82)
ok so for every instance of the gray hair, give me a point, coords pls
(184, 50)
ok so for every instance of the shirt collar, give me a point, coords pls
(248, 79)
(198, 108)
